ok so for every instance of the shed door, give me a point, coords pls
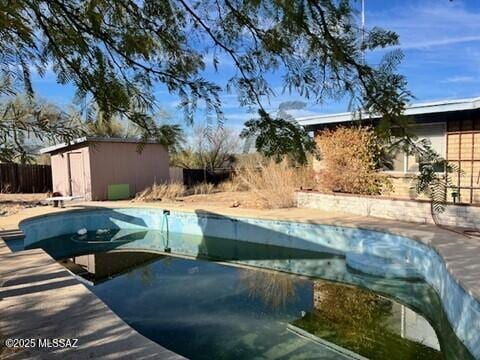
(77, 175)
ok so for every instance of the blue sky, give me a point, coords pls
(440, 40)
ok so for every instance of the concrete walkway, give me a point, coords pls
(40, 299)
(461, 254)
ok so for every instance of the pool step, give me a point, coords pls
(342, 352)
(381, 266)
(13, 234)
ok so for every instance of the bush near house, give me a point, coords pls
(273, 184)
(348, 157)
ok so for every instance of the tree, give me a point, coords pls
(115, 51)
(280, 135)
(210, 148)
(170, 135)
(100, 127)
(27, 123)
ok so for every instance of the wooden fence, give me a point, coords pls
(195, 176)
(16, 178)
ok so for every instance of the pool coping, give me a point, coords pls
(459, 253)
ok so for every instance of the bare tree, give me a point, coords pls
(209, 148)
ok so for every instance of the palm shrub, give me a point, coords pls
(433, 179)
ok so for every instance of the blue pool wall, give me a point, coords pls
(462, 309)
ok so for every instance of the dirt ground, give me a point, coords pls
(242, 199)
(12, 203)
(232, 199)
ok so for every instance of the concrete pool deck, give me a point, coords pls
(40, 299)
(461, 255)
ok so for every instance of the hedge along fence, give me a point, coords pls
(16, 178)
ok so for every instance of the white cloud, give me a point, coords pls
(429, 24)
(460, 79)
(238, 117)
(439, 42)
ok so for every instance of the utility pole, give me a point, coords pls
(363, 27)
(363, 16)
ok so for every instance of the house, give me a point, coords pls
(106, 168)
(453, 128)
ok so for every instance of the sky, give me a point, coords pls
(440, 40)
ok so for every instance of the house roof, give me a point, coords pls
(413, 109)
(87, 139)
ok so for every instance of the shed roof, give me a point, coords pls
(87, 139)
(413, 109)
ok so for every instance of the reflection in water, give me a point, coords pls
(103, 266)
(205, 310)
(273, 288)
(109, 236)
(368, 324)
(72, 245)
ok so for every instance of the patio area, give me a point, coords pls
(41, 298)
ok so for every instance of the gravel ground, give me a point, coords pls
(12, 203)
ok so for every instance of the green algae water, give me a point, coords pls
(215, 298)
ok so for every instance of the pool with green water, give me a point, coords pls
(213, 298)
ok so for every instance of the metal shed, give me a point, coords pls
(106, 168)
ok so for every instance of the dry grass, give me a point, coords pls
(202, 189)
(158, 192)
(259, 183)
(233, 185)
(242, 199)
(173, 191)
(273, 185)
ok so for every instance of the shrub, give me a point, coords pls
(273, 185)
(202, 189)
(158, 192)
(233, 185)
(349, 156)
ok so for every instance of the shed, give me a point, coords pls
(106, 168)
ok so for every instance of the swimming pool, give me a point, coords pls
(191, 298)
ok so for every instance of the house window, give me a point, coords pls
(435, 133)
(398, 161)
